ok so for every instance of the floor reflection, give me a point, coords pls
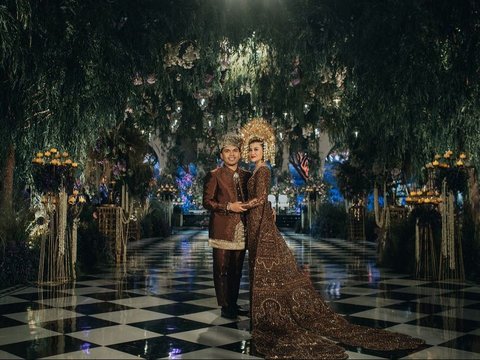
(161, 304)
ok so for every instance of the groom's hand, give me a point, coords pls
(237, 207)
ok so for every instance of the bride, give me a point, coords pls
(289, 318)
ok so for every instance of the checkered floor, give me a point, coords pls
(162, 305)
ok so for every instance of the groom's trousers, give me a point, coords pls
(227, 273)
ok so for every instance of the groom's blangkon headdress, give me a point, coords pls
(258, 129)
(231, 139)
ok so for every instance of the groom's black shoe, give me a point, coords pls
(229, 313)
(242, 312)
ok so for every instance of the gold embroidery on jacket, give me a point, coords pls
(238, 242)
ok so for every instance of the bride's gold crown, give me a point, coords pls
(259, 129)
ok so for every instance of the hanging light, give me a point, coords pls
(203, 103)
(306, 108)
(174, 126)
(175, 122)
(151, 79)
(356, 132)
(317, 132)
(137, 80)
(208, 121)
(178, 107)
(285, 114)
(221, 118)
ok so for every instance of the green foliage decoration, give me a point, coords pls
(18, 254)
(330, 221)
(470, 246)
(124, 148)
(402, 72)
(154, 222)
(353, 181)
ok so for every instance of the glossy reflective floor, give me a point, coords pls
(162, 305)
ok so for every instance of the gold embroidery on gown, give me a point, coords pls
(289, 318)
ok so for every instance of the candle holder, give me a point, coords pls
(435, 205)
(167, 192)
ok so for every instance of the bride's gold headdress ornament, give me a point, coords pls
(261, 130)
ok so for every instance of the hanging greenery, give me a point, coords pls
(122, 151)
(402, 74)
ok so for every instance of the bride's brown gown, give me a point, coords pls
(289, 319)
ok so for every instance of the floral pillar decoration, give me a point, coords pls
(356, 221)
(76, 202)
(167, 193)
(451, 175)
(425, 204)
(125, 154)
(53, 175)
(382, 219)
(315, 192)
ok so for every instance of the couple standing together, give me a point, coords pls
(288, 318)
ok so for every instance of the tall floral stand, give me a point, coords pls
(58, 248)
(382, 220)
(356, 232)
(451, 175)
(356, 222)
(167, 193)
(426, 256)
(451, 256)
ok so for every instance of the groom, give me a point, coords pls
(225, 188)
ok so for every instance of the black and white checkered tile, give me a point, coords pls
(162, 305)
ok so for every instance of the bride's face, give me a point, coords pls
(255, 152)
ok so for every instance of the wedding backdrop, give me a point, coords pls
(110, 113)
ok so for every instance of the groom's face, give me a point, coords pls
(230, 155)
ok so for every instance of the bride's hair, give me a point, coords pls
(256, 139)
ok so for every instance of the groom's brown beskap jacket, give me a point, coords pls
(218, 190)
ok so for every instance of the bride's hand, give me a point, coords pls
(237, 207)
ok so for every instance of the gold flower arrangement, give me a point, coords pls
(426, 197)
(450, 169)
(53, 169)
(442, 167)
(54, 157)
(76, 198)
(446, 161)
